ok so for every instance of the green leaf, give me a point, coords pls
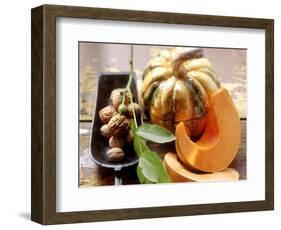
(150, 169)
(133, 126)
(155, 133)
(142, 178)
(139, 145)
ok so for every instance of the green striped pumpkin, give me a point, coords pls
(177, 87)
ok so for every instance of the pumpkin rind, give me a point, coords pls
(177, 88)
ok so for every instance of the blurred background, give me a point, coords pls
(229, 64)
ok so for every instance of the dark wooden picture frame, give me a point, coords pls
(43, 188)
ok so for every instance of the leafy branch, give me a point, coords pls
(150, 168)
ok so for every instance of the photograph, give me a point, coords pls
(143, 114)
(151, 114)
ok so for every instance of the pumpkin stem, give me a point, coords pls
(178, 69)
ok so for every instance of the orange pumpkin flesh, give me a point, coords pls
(179, 173)
(219, 144)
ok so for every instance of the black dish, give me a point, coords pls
(106, 82)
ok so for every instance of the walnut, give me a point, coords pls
(115, 155)
(116, 97)
(134, 106)
(115, 141)
(130, 137)
(117, 126)
(107, 113)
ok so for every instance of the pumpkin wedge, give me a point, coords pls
(219, 144)
(179, 173)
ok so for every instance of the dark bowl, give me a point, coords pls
(106, 82)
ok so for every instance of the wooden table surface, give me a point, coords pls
(91, 174)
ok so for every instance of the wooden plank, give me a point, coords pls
(43, 159)
(92, 175)
(37, 186)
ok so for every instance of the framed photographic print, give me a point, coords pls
(139, 114)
